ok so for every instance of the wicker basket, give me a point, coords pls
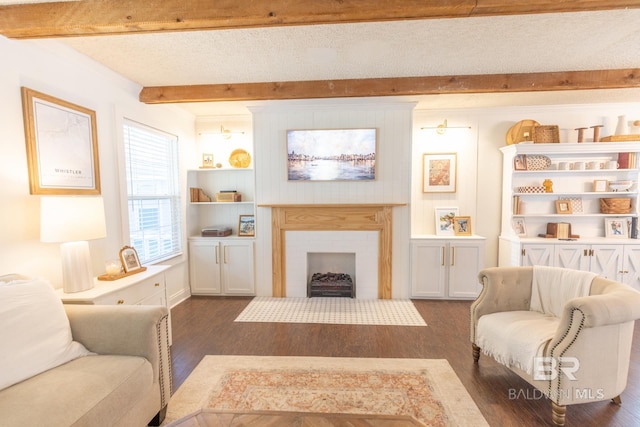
(546, 134)
(620, 138)
(615, 205)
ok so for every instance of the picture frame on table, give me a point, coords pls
(207, 161)
(62, 146)
(564, 207)
(439, 171)
(520, 162)
(519, 227)
(129, 259)
(444, 220)
(462, 226)
(600, 185)
(616, 228)
(246, 226)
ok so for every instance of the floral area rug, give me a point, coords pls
(427, 390)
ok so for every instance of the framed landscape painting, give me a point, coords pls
(331, 155)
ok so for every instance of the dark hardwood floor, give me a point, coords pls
(204, 325)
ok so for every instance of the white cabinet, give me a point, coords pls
(446, 268)
(221, 266)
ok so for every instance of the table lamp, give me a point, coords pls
(72, 220)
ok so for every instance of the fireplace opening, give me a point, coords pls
(331, 274)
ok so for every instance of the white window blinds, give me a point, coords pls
(151, 160)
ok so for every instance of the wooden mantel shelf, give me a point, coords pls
(340, 217)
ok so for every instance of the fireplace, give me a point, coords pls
(331, 274)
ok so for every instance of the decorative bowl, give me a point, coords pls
(620, 185)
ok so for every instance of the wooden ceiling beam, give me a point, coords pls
(400, 86)
(104, 17)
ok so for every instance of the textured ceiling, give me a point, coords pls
(485, 45)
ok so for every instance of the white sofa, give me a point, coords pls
(573, 348)
(96, 366)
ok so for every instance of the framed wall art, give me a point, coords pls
(519, 227)
(444, 221)
(62, 145)
(462, 226)
(331, 155)
(246, 225)
(439, 172)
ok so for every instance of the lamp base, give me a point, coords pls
(76, 267)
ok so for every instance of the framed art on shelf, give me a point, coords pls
(519, 227)
(62, 145)
(600, 185)
(207, 161)
(616, 227)
(246, 226)
(444, 221)
(129, 259)
(520, 162)
(563, 206)
(462, 226)
(439, 172)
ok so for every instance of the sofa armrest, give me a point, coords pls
(620, 304)
(133, 330)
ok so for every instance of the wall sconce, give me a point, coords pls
(442, 127)
(72, 221)
(226, 133)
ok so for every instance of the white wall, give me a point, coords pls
(48, 67)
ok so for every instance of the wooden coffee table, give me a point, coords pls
(213, 418)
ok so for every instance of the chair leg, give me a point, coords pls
(476, 353)
(617, 400)
(558, 414)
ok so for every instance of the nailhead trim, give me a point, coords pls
(160, 359)
(573, 340)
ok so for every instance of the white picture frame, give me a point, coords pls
(519, 227)
(444, 220)
(616, 228)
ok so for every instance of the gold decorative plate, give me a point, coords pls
(517, 132)
(239, 158)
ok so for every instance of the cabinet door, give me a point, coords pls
(204, 267)
(465, 261)
(428, 269)
(631, 266)
(572, 256)
(606, 261)
(537, 255)
(237, 267)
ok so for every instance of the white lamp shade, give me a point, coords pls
(71, 219)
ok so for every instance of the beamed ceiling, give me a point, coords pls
(213, 56)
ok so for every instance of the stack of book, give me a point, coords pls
(627, 160)
(197, 195)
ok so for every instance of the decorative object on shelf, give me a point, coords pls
(578, 166)
(444, 221)
(228, 196)
(596, 132)
(246, 225)
(576, 203)
(633, 228)
(240, 159)
(620, 185)
(622, 128)
(564, 166)
(537, 163)
(600, 185)
(563, 207)
(620, 205)
(198, 195)
(581, 134)
(520, 162)
(621, 138)
(130, 260)
(548, 185)
(522, 131)
(612, 165)
(519, 227)
(559, 230)
(207, 161)
(62, 146)
(627, 160)
(439, 172)
(531, 189)
(616, 227)
(331, 154)
(113, 267)
(546, 134)
(462, 225)
(216, 231)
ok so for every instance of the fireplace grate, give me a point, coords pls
(331, 285)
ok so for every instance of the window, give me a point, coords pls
(151, 160)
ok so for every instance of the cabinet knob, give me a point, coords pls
(120, 301)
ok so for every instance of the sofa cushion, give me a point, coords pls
(515, 338)
(84, 392)
(35, 335)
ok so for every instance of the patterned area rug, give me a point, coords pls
(345, 311)
(427, 390)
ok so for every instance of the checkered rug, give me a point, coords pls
(346, 311)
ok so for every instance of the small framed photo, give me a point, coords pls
(247, 226)
(519, 227)
(564, 207)
(207, 160)
(444, 221)
(600, 185)
(616, 227)
(129, 259)
(462, 225)
(520, 162)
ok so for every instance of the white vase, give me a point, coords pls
(623, 126)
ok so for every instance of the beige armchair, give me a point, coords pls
(584, 354)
